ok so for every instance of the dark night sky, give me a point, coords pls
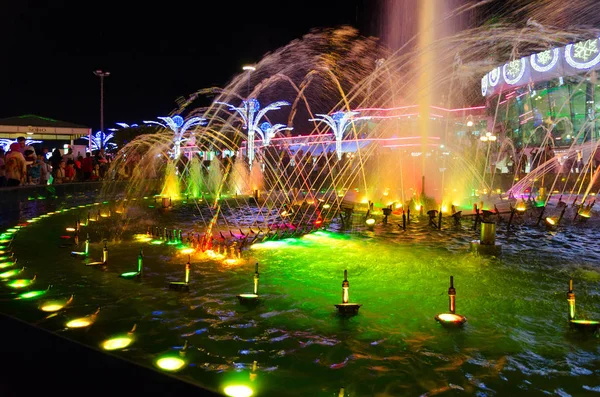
(155, 51)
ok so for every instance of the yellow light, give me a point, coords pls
(238, 391)
(188, 251)
(444, 208)
(521, 207)
(231, 261)
(70, 229)
(418, 207)
(170, 363)
(450, 317)
(587, 322)
(79, 323)
(370, 221)
(364, 201)
(550, 221)
(51, 307)
(398, 205)
(116, 343)
(326, 206)
(142, 238)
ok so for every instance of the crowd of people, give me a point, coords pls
(22, 165)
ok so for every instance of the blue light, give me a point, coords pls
(337, 116)
(178, 120)
(265, 126)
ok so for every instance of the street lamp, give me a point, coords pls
(249, 69)
(102, 75)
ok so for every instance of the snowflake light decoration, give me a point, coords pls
(544, 61)
(583, 55)
(514, 70)
(584, 50)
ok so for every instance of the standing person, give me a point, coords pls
(2, 170)
(59, 173)
(69, 156)
(45, 172)
(55, 159)
(23, 144)
(15, 167)
(87, 166)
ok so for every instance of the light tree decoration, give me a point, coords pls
(5, 143)
(338, 122)
(179, 128)
(251, 114)
(270, 131)
(101, 141)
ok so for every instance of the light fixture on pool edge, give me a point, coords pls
(238, 391)
(345, 307)
(172, 362)
(140, 268)
(550, 222)
(521, 207)
(11, 273)
(83, 322)
(55, 304)
(120, 341)
(87, 248)
(4, 265)
(183, 286)
(21, 282)
(34, 294)
(451, 318)
(582, 325)
(249, 299)
(370, 222)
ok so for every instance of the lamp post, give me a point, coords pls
(489, 138)
(249, 69)
(102, 75)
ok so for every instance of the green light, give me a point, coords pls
(4, 265)
(120, 342)
(32, 294)
(129, 274)
(10, 273)
(55, 305)
(170, 363)
(238, 391)
(4, 241)
(585, 322)
(12, 230)
(3, 258)
(156, 242)
(20, 283)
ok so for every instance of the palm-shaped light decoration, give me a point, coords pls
(179, 128)
(338, 122)
(251, 114)
(101, 141)
(268, 131)
(5, 143)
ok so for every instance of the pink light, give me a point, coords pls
(412, 106)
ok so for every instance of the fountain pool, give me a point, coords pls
(516, 340)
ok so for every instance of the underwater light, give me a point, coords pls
(326, 206)
(550, 221)
(370, 222)
(12, 230)
(83, 321)
(449, 319)
(21, 282)
(32, 294)
(79, 323)
(117, 343)
(55, 305)
(4, 241)
(6, 264)
(238, 391)
(170, 363)
(345, 307)
(251, 298)
(187, 251)
(70, 229)
(521, 207)
(11, 273)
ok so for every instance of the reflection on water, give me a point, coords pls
(515, 342)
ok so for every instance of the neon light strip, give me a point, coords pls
(412, 106)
